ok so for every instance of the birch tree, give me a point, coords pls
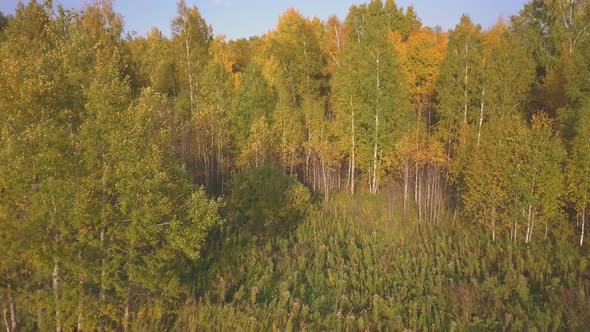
(191, 37)
(458, 93)
(578, 172)
(370, 94)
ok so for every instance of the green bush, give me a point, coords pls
(266, 202)
(352, 265)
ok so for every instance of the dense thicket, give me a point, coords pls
(359, 173)
(356, 265)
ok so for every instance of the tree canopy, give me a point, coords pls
(363, 173)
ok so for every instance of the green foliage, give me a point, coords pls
(370, 95)
(397, 20)
(354, 265)
(253, 100)
(155, 63)
(513, 171)
(105, 217)
(110, 146)
(294, 49)
(458, 93)
(266, 202)
(578, 168)
(191, 40)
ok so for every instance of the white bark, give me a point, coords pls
(188, 63)
(352, 166)
(80, 305)
(406, 180)
(465, 88)
(377, 110)
(532, 226)
(326, 191)
(483, 92)
(419, 198)
(416, 183)
(494, 225)
(102, 292)
(374, 182)
(583, 226)
(126, 313)
(528, 226)
(58, 327)
(12, 309)
(5, 319)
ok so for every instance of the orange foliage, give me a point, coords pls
(423, 52)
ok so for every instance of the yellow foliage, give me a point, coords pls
(414, 147)
(423, 53)
(333, 40)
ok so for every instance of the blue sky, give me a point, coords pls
(244, 18)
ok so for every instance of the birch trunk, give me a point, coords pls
(532, 226)
(528, 228)
(483, 92)
(375, 143)
(583, 225)
(465, 88)
(352, 166)
(5, 319)
(494, 225)
(80, 305)
(416, 183)
(102, 294)
(189, 67)
(12, 309)
(58, 327)
(325, 181)
(374, 182)
(126, 313)
(406, 180)
(420, 188)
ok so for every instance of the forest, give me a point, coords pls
(357, 173)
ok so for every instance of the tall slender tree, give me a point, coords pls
(370, 94)
(191, 37)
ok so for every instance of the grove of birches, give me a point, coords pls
(363, 173)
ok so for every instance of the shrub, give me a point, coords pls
(265, 202)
